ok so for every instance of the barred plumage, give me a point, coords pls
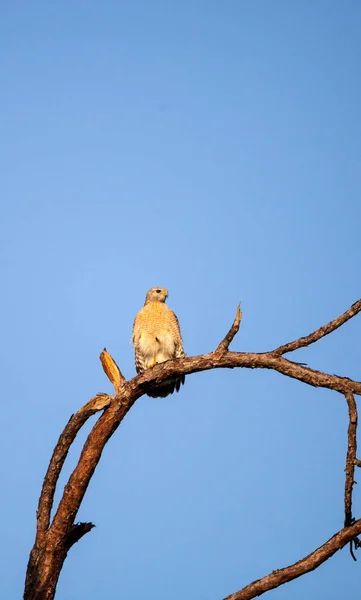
(157, 338)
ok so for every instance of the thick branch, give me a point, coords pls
(305, 565)
(321, 332)
(248, 360)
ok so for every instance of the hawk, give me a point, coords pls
(157, 338)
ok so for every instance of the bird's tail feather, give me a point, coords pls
(166, 388)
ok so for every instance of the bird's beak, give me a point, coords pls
(165, 293)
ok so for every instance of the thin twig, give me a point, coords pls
(320, 332)
(352, 552)
(222, 348)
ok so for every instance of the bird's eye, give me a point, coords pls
(158, 291)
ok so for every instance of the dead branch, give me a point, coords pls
(303, 566)
(248, 360)
(77, 532)
(224, 345)
(75, 423)
(350, 457)
(111, 370)
(54, 539)
(321, 332)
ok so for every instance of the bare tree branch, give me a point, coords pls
(224, 345)
(111, 370)
(248, 360)
(351, 456)
(54, 540)
(305, 565)
(78, 482)
(321, 332)
(60, 452)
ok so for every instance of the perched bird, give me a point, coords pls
(157, 338)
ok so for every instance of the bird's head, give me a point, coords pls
(156, 294)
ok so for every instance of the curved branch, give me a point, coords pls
(79, 480)
(52, 543)
(320, 332)
(131, 390)
(60, 453)
(305, 565)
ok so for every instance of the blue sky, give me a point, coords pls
(213, 149)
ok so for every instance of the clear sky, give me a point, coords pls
(212, 148)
